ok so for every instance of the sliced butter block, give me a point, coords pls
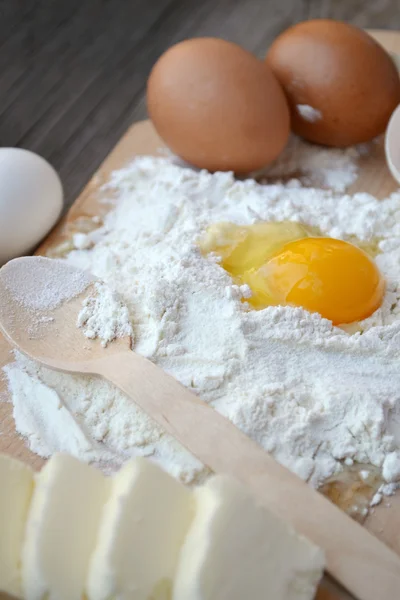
(62, 528)
(236, 549)
(143, 527)
(16, 485)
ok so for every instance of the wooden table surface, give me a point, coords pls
(73, 72)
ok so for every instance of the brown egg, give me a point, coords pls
(217, 106)
(341, 85)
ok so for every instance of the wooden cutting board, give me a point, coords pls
(374, 177)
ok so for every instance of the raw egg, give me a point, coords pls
(284, 265)
(30, 201)
(244, 247)
(341, 85)
(217, 106)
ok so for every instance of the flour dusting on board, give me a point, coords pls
(310, 393)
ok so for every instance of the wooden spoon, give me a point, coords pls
(49, 335)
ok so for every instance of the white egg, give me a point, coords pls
(392, 144)
(31, 199)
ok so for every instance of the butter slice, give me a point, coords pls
(16, 485)
(236, 550)
(144, 524)
(61, 529)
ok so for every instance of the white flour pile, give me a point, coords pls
(311, 394)
(104, 316)
(330, 168)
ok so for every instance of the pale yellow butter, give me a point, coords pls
(16, 485)
(62, 529)
(236, 549)
(143, 527)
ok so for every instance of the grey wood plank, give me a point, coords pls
(89, 77)
(79, 53)
(73, 72)
(377, 14)
(29, 50)
(12, 13)
(22, 40)
(97, 109)
(224, 19)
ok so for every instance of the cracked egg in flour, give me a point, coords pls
(283, 264)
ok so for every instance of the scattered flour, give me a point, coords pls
(391, 467)
(313, 165)
(377, 499)
(81, 241)
(104, 316)
(364, 475)
(308, 113)
(309, 393)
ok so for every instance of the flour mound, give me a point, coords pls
(104, 316)
(331, 168)
(310, 393)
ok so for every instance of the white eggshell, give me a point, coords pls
(392, 144)
(31, 199)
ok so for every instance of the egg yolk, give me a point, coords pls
(284, 266)
(324, 275)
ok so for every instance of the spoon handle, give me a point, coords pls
(359, 561)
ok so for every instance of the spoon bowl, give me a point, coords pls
(47, 331)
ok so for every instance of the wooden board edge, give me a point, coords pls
(139, 139)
